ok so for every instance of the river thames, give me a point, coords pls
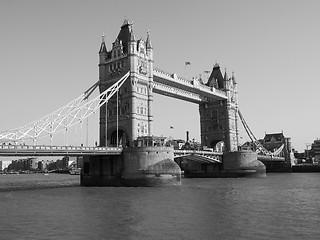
(280, 206)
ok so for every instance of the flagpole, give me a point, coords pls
(171, 130)
(185, 68)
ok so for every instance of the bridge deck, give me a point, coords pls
(27, 150)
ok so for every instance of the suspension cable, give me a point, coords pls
(259, 146)
(73, 112)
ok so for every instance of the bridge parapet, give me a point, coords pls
(173, 76)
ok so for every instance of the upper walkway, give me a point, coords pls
(188, 90)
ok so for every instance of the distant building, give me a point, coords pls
(80, 162)
(274, 141)
(59, 164)
(314, 152)
(4, 165)
(31, 164)
(28, 164)
(176, 143)
(248, 146)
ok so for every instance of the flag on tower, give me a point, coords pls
(187, 63)
(171, 127)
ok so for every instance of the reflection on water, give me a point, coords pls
(281, 206)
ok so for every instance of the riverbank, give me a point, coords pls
(13, 182)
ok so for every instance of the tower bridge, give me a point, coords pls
(127, 82)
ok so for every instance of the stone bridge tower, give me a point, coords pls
(219, 119)
(133, 116)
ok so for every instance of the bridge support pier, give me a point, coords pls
(137, 166)
(101, 171)
(243, 164)
(150, 166)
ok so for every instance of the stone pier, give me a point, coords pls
(243, 164)
(136, 166)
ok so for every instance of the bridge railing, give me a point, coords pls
(38, 149)
(197, 152)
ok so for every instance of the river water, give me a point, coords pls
(280, 206)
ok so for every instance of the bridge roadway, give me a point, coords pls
(41, 150)
(199, 156)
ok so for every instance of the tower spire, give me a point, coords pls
(233, 78)
(225, 74)
(132, 37)
(103, 48)
(148, 41)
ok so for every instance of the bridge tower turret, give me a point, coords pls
(129, 113)
(218, 119)
(150, 82)
(103, 57)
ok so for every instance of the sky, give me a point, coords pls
(49, 56)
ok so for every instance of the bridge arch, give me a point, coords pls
(218, 145)
(123, 139)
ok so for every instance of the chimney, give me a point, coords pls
(187, 136)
